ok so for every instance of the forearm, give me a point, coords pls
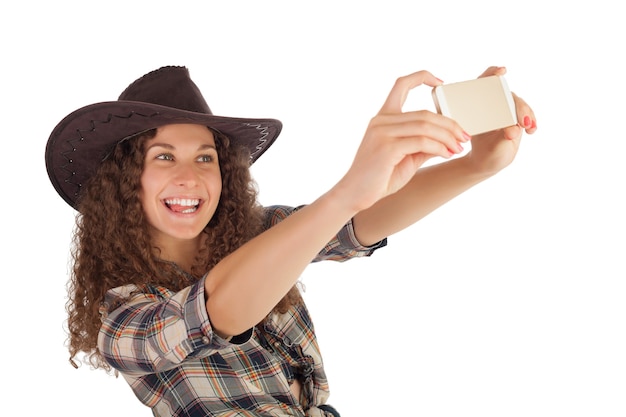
(429, 189)
(247, 284)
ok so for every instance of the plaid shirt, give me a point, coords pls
(162, 343)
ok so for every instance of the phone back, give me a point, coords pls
(479, 105)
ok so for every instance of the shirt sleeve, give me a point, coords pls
(343, 246)
(152, 329)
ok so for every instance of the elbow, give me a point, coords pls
(224, 321)
(108, 350)
(226, 316)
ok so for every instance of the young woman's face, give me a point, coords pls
(181, 182)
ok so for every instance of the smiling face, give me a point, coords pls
(181, 184)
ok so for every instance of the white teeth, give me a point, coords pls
(187, 202)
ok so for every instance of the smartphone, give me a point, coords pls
(479, 105)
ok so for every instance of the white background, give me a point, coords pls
(508, 301)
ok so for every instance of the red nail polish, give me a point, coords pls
(534, 125)
(526, 121)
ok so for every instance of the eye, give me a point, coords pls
(206, 158)
(165, 157)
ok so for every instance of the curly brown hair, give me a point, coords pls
(112, 246)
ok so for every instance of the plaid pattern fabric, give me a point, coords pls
(163, 345)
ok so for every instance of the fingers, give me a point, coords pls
(422, 131)
(427, 147)
(398, 94)
(421, 124)
(525, 115)
(513, 132)
(493, 71)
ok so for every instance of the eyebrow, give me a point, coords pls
(171, 147)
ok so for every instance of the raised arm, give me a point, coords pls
(435, 185)
(247, 284)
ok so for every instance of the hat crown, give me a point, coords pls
(169, 86)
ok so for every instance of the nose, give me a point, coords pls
(185, 176)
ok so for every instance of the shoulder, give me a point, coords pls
(275, 213)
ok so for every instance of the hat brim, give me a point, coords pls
(82, 139)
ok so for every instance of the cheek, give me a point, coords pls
(214, 182)
(147, 188)
(142, 188)
(218, 184)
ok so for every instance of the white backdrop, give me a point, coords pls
(508, 301)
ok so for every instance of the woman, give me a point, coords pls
(185, 286)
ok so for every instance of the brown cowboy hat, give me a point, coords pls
(167, 95)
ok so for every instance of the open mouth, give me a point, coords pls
(182, 205)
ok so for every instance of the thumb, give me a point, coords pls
(400, 91)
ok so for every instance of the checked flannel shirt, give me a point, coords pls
(162, 343)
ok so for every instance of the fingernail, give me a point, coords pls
(466, 136)
(440, 80)
(534, 125)
(526, 121)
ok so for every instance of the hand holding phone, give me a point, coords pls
(479, 105)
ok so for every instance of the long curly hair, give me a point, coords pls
(112, 246)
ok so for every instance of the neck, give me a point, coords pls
(180, 252)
